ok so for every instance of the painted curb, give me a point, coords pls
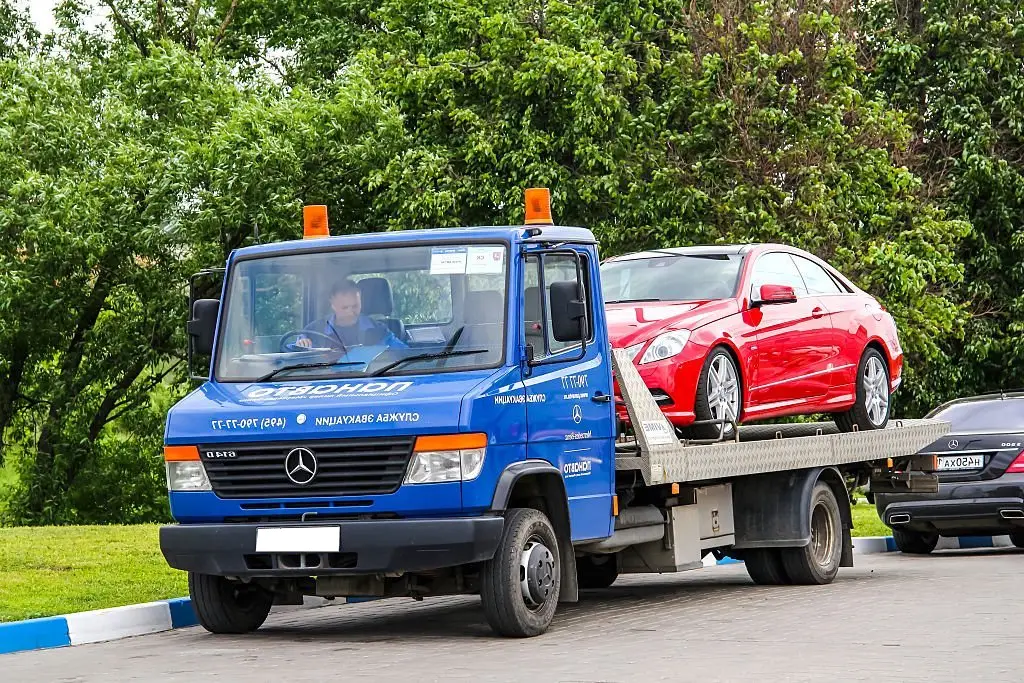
(887, 544)
(117, 622)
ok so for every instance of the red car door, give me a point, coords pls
(843, 307)
(794, 341)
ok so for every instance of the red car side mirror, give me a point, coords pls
(776, 294)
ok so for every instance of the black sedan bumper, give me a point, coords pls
(366, 547)
(981, 508)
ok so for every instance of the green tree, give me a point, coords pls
(955, 69)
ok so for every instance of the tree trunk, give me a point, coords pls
(10, 388)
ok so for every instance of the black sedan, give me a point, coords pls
(981, 477)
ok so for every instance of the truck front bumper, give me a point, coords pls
(367, 547)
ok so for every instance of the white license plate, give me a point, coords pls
(961, 462)
(311, 539)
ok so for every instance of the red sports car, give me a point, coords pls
(753, 332)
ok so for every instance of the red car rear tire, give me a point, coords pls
(871, 410)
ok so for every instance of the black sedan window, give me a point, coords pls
(987, 415)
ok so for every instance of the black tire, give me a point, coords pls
(702, 406)
(501, 592)
(914, 543)
(225, 606)
(817, 563)
(1017, 538)
(858, 415)
(764, 565)
(597, 571)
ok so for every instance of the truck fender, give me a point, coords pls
(539, 484)
(773, 510)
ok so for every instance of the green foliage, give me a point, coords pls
(955, 69)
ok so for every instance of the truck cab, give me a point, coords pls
(376, 403)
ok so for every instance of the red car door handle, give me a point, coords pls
(817, 312)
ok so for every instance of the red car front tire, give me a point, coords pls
(719, 392)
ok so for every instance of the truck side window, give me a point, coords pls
(537, 309)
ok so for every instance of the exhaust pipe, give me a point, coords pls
(899, 518)
(1011, 514)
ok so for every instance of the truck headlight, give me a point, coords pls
(185, 471)
(665, 346)
(447, 458)
(187, 475)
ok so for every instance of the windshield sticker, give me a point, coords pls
(485, 260)
(448, 260)
(326, 390)
(364, 418)
(249, 423)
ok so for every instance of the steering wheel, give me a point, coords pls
(331, 341)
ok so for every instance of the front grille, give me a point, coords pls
(345, 467)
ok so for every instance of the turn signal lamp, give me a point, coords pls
(538, 206)
(314, 221)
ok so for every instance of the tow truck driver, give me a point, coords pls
(346, 325)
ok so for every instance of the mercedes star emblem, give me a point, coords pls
(300, 466)
(577, 414)
(954, 444)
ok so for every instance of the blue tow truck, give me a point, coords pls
(428, 412)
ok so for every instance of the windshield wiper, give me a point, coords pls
(631, 301)
(303, 366)
(426, 356)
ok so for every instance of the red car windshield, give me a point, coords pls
(664, 276)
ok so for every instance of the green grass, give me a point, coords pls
(45, 571)
(866, 521)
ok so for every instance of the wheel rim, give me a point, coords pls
(536, 573)
(723, 390)
(823, 536)
(876, 391)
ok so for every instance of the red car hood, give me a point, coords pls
(631, 323)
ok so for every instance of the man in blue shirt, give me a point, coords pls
(346, 326)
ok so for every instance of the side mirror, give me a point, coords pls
(568, 312)
(775, 294)
(203, 325)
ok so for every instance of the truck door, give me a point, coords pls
(570, 414)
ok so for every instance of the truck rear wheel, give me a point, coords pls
(914, 543)
(597, 571)
(519, 586)
(817, 563)
(225, 606)
(764, 565)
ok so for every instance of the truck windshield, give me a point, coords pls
(666, 276)
(362, 312)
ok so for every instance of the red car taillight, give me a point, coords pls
(1017, 466)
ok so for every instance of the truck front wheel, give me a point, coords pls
(817, 563)
(519, 586)
(225, 606)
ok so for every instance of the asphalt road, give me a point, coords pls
(951, 616)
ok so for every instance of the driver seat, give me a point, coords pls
(379, 303)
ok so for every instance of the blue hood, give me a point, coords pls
(234, 412)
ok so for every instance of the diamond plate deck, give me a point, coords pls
(761, 448)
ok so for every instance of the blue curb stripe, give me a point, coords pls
(34, 634)
(182, 614)
(976, 542)
(890, 544)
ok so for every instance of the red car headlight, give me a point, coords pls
(665, 346)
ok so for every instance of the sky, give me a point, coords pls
(41, 12)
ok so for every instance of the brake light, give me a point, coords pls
(1017, 466)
